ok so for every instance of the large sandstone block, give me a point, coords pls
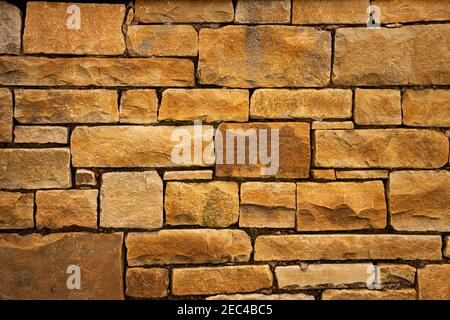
(301, 103)
(341, 206)
(6, 115)
(374, 148)
(262, 12)
(10, 28)
(67, 28)
(147, 283)
(403, 294)
(105, 72)
(66, 106)
(207, 105)
(230, 279)
(330, 11)
(302, 59)
(16, 210)
(253, 150)
(149, 11)
(188, 246)
(410, 55)
(35, 266)
(35, 168)
(434, 282)
(420, 200)
(41, 134)
(347, 247)
(378, 107)
(426, 108)
(212, 204)
(139, 106)
(140, 146)
(131, 200)
(413, 10)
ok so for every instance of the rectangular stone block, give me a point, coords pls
(330, 11)
(16, 210)
(188, 175)
(378, 107)
(263, 12)
(41, 134)
(395, 276)
(332, 125)
(302, 59)
(139, 106)
(147, 283)
(413, 10)
(258, 296)
(404, 294)
(426, 108)
(362, 174)
(434, 282)
(10, 28)
(6, 115)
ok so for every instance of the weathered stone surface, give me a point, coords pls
(387, 148)
(377, 107)
(420, 200)
(131, 200)
(137, 146)
(267, 205)
(10, 28)
(426, 108)
(162, 40)
(257, 296)
(394, 276)
(85, 177)
(147, 283)
(188, 175)
(447, 247)
(149, 11)
(348, 247)
(340, 206)
(332, 125)
(323, 174)
(392, 56)
(267, 11)
(188, 246)
(34, 168)
(413, 10)
(41, 134)
(302, 59)
(6, 114)
(139, 106)
(324, 276)
(65, 208)
(434, 282)
(330, 11)
(301, 103)
(66, 106)
(207, 105)
(231, 279)
(405, 294)
(289, 158)
(34, 266)
(106, 72)
(52, 28)
(362, 174)
(16, 210)
(212, 204)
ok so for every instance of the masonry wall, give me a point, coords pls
(92, 95)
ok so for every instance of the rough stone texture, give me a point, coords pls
(324, 276)
(66, 106)
(413, 10)
(395, 276)
(85, 177)
(319, 125)
(340, 206)
(302, 59)
(188, 175)
(188, 246)
(266, 11)
(16, 210)
(447, 247)
(6, 114)
(139, 106)
(256, 296)
(301, 103)
(420, 200)
(206, 105)
(426, 108)
(374, 148)
(330, 11)
(34, 168)
(362, 174)
(392, 56)
(433, 282)
(232, 279)
(66, 208)
(131, 200)
(41, 134)
(100, 28)
(348, 247)
(10, 28)
(212, 204)
(147, 283)
(267, 205)
(136, 146)
(377, 107)
(405, 294)
(105, 72)
(149, 11)
(162, 40)
(34, 266)
(323, 174)
(293, 150)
